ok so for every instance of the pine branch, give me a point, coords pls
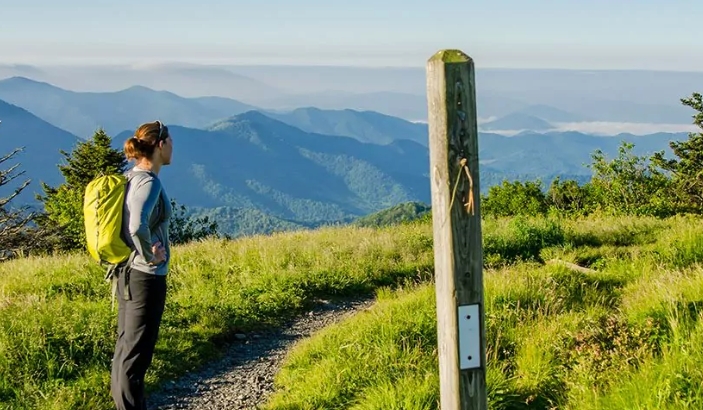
(18, 190)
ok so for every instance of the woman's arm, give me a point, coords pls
(141, 202)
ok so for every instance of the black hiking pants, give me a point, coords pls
(138, 324)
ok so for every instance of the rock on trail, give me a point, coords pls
(243, 377)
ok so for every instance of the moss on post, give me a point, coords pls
(450, 56)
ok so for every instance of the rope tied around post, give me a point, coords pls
(468, 204)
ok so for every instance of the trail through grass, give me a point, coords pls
(57, 333)
(58, 329)
(625, 337)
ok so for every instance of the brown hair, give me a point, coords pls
(145, 140)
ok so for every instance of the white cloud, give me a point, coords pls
(611, 128)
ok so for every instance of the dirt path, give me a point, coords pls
(243, 378)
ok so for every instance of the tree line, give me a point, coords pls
(625, 185)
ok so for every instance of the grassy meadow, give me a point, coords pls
(625, 336)
(58, 329)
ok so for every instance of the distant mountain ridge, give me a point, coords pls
(555, 153)
(365, 126)
(639, 96)
(81, 113)
(403, 105)
(299, 179)
(552, 114)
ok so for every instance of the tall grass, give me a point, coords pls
(57, 332)
(58, 328)
(377, 358)
(626, 336)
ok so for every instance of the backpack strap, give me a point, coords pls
(115, 272)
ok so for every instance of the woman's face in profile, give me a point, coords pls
(166, 151)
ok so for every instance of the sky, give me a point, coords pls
(593, 34)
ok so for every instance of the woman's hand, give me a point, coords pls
(159, 253)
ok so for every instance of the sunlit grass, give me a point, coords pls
(555, 337)
(626, 336)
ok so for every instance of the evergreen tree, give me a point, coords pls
(63, 205)
(687, 170)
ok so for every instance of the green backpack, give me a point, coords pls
(102, 212)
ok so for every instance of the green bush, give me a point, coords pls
(514, 198)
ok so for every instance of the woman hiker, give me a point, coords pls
(146, 215)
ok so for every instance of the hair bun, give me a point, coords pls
(136, 141)
(144, 140)
(132, 147)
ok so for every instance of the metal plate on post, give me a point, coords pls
(469, 337)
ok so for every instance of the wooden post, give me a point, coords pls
(458, 251)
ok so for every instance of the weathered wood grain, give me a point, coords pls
(458, 252)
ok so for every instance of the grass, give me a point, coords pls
(626, 336)
(378, 357)
(555, 337)
(58, 328)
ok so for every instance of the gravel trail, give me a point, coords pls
(243, 377)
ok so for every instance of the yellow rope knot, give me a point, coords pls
(469, 204)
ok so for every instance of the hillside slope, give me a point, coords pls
(401, 213)
(42, 144)
(254, 161)
(57, 334)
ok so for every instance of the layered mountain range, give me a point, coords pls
(258, 169)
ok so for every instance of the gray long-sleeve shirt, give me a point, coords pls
(146, 214)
